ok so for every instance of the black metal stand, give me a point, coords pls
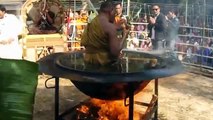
(152, 106)
(56, 95)
(56, 98)
(131, 101)
(156, 104)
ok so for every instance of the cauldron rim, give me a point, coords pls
(58, 63)
(47, 65)
(87, 83)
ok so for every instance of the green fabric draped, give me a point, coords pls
(18, 82)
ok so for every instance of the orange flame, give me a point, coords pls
(114, 110)
(84, 109)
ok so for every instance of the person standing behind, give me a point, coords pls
(172, 30)
(120, 21)
(10, 28)
(119, 18)
(157, 28)
(102, 46)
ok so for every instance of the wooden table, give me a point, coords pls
(37, 46)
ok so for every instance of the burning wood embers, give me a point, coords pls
(96, 109)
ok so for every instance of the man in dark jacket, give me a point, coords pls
(157, 28)
(172, 30)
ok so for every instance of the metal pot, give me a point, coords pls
(109, 91)
(107, 83)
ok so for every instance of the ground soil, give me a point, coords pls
(185, 96)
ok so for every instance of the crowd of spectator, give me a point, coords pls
(74, 22)
(198, 50)
(194, 43)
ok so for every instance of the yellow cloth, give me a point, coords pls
(84, 19)
(117, 20)
(79, 27)
(96, 43)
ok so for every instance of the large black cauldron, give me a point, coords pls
(132, 72)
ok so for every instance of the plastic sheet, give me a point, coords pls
(18, 82)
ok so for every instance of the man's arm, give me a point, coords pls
(175, 23)
(7, 41)
(115, 44)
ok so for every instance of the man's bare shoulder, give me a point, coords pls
(107, 26)
(110, 27)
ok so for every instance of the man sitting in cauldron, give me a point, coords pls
(99, 38)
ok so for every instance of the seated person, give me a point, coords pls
(101, 43)
(46, 22)
(133, 41)
(146, 44)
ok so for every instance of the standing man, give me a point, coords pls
(157, 27)
(119, 18)
(102, 46)
(172, 30)
(120, 21)
(10, 28)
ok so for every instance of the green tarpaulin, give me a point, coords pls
(18, 82)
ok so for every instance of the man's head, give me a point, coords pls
(156, 9)
(107, 7)
(118, 9)
(2, 11)
(171, 14)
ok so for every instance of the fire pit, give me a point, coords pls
(119, 80)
